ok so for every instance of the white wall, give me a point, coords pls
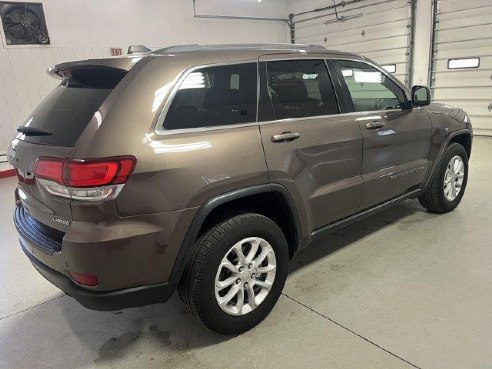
(81, 29)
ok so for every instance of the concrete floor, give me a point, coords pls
(403, 289)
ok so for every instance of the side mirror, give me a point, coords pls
(421, 95)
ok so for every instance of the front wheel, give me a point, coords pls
(449, 182)
(235, 274)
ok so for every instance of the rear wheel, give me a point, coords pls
(449, 182)
(235, 274)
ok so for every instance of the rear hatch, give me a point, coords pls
(53, 129)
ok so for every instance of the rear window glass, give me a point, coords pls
(65, 113)
(67, 110)
(215, 96)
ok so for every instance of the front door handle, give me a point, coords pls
(375, 124)
(286, 137)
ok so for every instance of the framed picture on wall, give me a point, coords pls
(23, 23)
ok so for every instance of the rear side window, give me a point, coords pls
(369, 88)
(215, 96)
(68, 109)
(300, 88)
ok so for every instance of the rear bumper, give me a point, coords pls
(103, 300)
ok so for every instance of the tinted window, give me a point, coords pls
(369, 88)
(300, 88)
(67, 110)
(65, 113)
(215, 96)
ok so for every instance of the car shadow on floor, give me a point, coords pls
(337, 240)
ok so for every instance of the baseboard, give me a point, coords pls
(7, 173)
(6, 169)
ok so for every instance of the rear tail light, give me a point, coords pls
(84, 279)
(94, 179)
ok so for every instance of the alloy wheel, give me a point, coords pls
(245, 276)
(453, 178)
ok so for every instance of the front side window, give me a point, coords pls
(369, 88)
(299, 88)
(215, 96)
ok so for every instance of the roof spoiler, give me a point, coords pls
(138, 49)
(64, 70)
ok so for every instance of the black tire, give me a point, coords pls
(196, 289)
(434, 199)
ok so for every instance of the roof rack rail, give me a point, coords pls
(196, 47)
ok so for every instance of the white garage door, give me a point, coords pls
(379, 29)
(462, 59)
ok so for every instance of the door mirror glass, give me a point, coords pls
(421, 95)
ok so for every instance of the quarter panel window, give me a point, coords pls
(299, 88)
(215, 96)
(369, 88)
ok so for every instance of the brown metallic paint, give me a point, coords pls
(335, 169)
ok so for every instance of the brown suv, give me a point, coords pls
(207, 168)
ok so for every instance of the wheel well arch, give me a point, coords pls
(465, 140)
(272, 201)
(271, 204)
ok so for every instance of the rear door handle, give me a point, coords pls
(375, 124)
(286, 137)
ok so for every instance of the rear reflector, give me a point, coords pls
(85, 173)
(84, 279)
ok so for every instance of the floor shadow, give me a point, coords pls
(354, 232)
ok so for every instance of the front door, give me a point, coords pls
(310, 148)
(396, 138)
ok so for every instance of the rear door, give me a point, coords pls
(61, 117)
(396, 138)
(311, 149)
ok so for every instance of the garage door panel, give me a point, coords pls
(464, 74)
(456, 82)
(476, 105)
(400, 76)
(465, 52)
(401, 68)
(360, 33)
(478, 19)
(482, 125)
(363, 47)
(395, 54)
(485, 63)
(376, 41)
(461, 45)
(475, 110)
(460, 5)
(368, 22)
(465, 14)
(471, 33)
(381, 30)
(464, 93)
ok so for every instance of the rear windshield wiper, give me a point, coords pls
(31, 131)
